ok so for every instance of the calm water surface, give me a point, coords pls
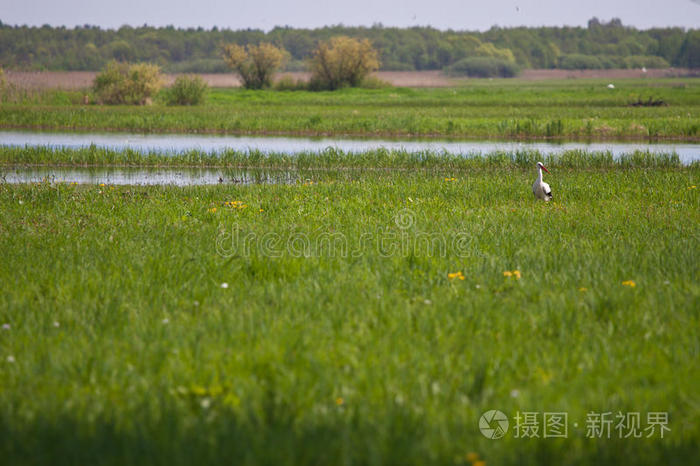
(177, 143)
(174, 143)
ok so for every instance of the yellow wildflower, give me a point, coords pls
(516, 274)
(692, 187)
(339, 401)
(212, 210)
(629, 283)
(507, 273)
(454, 275)
(472, 457)
(479, 463)
(583, 289)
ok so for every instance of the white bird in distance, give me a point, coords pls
(540, 189)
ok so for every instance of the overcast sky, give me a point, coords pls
(266, 14)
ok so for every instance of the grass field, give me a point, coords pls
(583, 109)
(355, 317)
(371, 311)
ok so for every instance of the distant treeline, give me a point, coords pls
(600, 45)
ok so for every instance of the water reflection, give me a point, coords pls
(141, 176)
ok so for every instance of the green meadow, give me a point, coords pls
(357, 316)
(581, 109)
(370, 311)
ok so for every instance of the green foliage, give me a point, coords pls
(123, 83)
(342, 61)
(199, 65)
(187, 90)
(484, 67)
(287, 83)
(646, 61)
(689, 54)
(373, 82)
(489, 50)
(578, 61)
(417, 48)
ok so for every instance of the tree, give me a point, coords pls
(689, 54)
(488, 50)
(255, 64)
(342, 61)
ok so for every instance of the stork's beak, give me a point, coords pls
(543, 168)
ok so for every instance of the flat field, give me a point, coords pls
(520, 108)
(76, 80)
(358, 316)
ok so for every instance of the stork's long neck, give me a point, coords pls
(539, 175)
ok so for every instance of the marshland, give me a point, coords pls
(360, 287)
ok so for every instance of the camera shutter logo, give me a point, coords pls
(493, 424)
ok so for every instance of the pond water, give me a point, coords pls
(146, 176)
(174, 143)
(177, 143)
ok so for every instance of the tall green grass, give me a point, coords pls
(125, 347)
(583, 109)
(330, 158)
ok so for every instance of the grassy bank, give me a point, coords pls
(140, 330)
(584, 109)
(329, 159)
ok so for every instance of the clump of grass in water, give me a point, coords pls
(330, 158)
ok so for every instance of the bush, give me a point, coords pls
(187, 90)
(122, 83)
(373, 82)
(3, 87)
(254, 64)
(287, 83)
(342, 61)
(483, 67)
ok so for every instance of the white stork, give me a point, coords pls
(540, 189)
